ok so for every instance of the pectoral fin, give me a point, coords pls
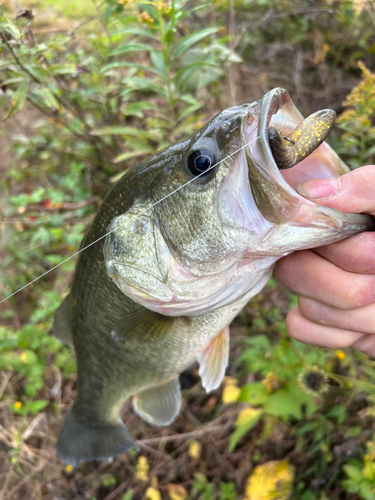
(214, 359)
(160, 404)
(143, 325)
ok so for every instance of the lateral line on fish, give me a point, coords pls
(115, 229)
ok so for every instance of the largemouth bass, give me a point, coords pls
(187, 238)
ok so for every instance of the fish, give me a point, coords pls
(178, 247)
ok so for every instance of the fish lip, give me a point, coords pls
(271, 103)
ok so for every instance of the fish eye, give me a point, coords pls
(201, 162)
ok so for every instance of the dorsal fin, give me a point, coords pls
(62, 326)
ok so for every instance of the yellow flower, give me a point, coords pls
(160, 6)
(361, 98)
(23, 357)
(340, 354)
(271, 481)
(141, 469)
(146, 18)
(68, 468)
(271, 382)
(152, 492)
(18, 405)
(194, 450)
(231, 391)
(177, 492)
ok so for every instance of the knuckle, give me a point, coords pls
(358, 292)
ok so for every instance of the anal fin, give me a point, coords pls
(159, 405)
(213, 360)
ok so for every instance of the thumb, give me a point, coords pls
(353, 192)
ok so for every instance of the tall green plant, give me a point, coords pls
(108, 98)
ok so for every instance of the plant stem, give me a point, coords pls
(166, 56)
(102, 22)
(18, 61)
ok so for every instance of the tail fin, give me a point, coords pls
(83, 443)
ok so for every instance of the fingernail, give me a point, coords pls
(318, 188)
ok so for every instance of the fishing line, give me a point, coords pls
(141, 213)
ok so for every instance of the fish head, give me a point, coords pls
(217, 212)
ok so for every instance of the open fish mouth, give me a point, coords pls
(273, 189)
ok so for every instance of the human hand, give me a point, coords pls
(335, 283)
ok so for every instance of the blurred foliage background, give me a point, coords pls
(87, 90)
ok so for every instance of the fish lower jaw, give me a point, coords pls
(246, 281)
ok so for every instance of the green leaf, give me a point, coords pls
(18, 99)
(353, 472)
(142, 83)
(10, 81)
(188, 110)
(369, 152)
(283, 404)
(49, 99)
(125, 64)
(158, 62)
(39, 73)
(109, 480)
(28, 357)
(126, 156)
(254, 393)
(182, 45)
(243, 429)
(191, 68)
(358, 385)
(36, 406)
(131, 47)
(338, 412)
(136, 31)
(128, 495)
(137, 108)
(7, 27)
(62, 69)
(118, 130)
(367, 490)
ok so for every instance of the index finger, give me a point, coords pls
(356, 254)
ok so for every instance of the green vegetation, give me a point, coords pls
(115, 82)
